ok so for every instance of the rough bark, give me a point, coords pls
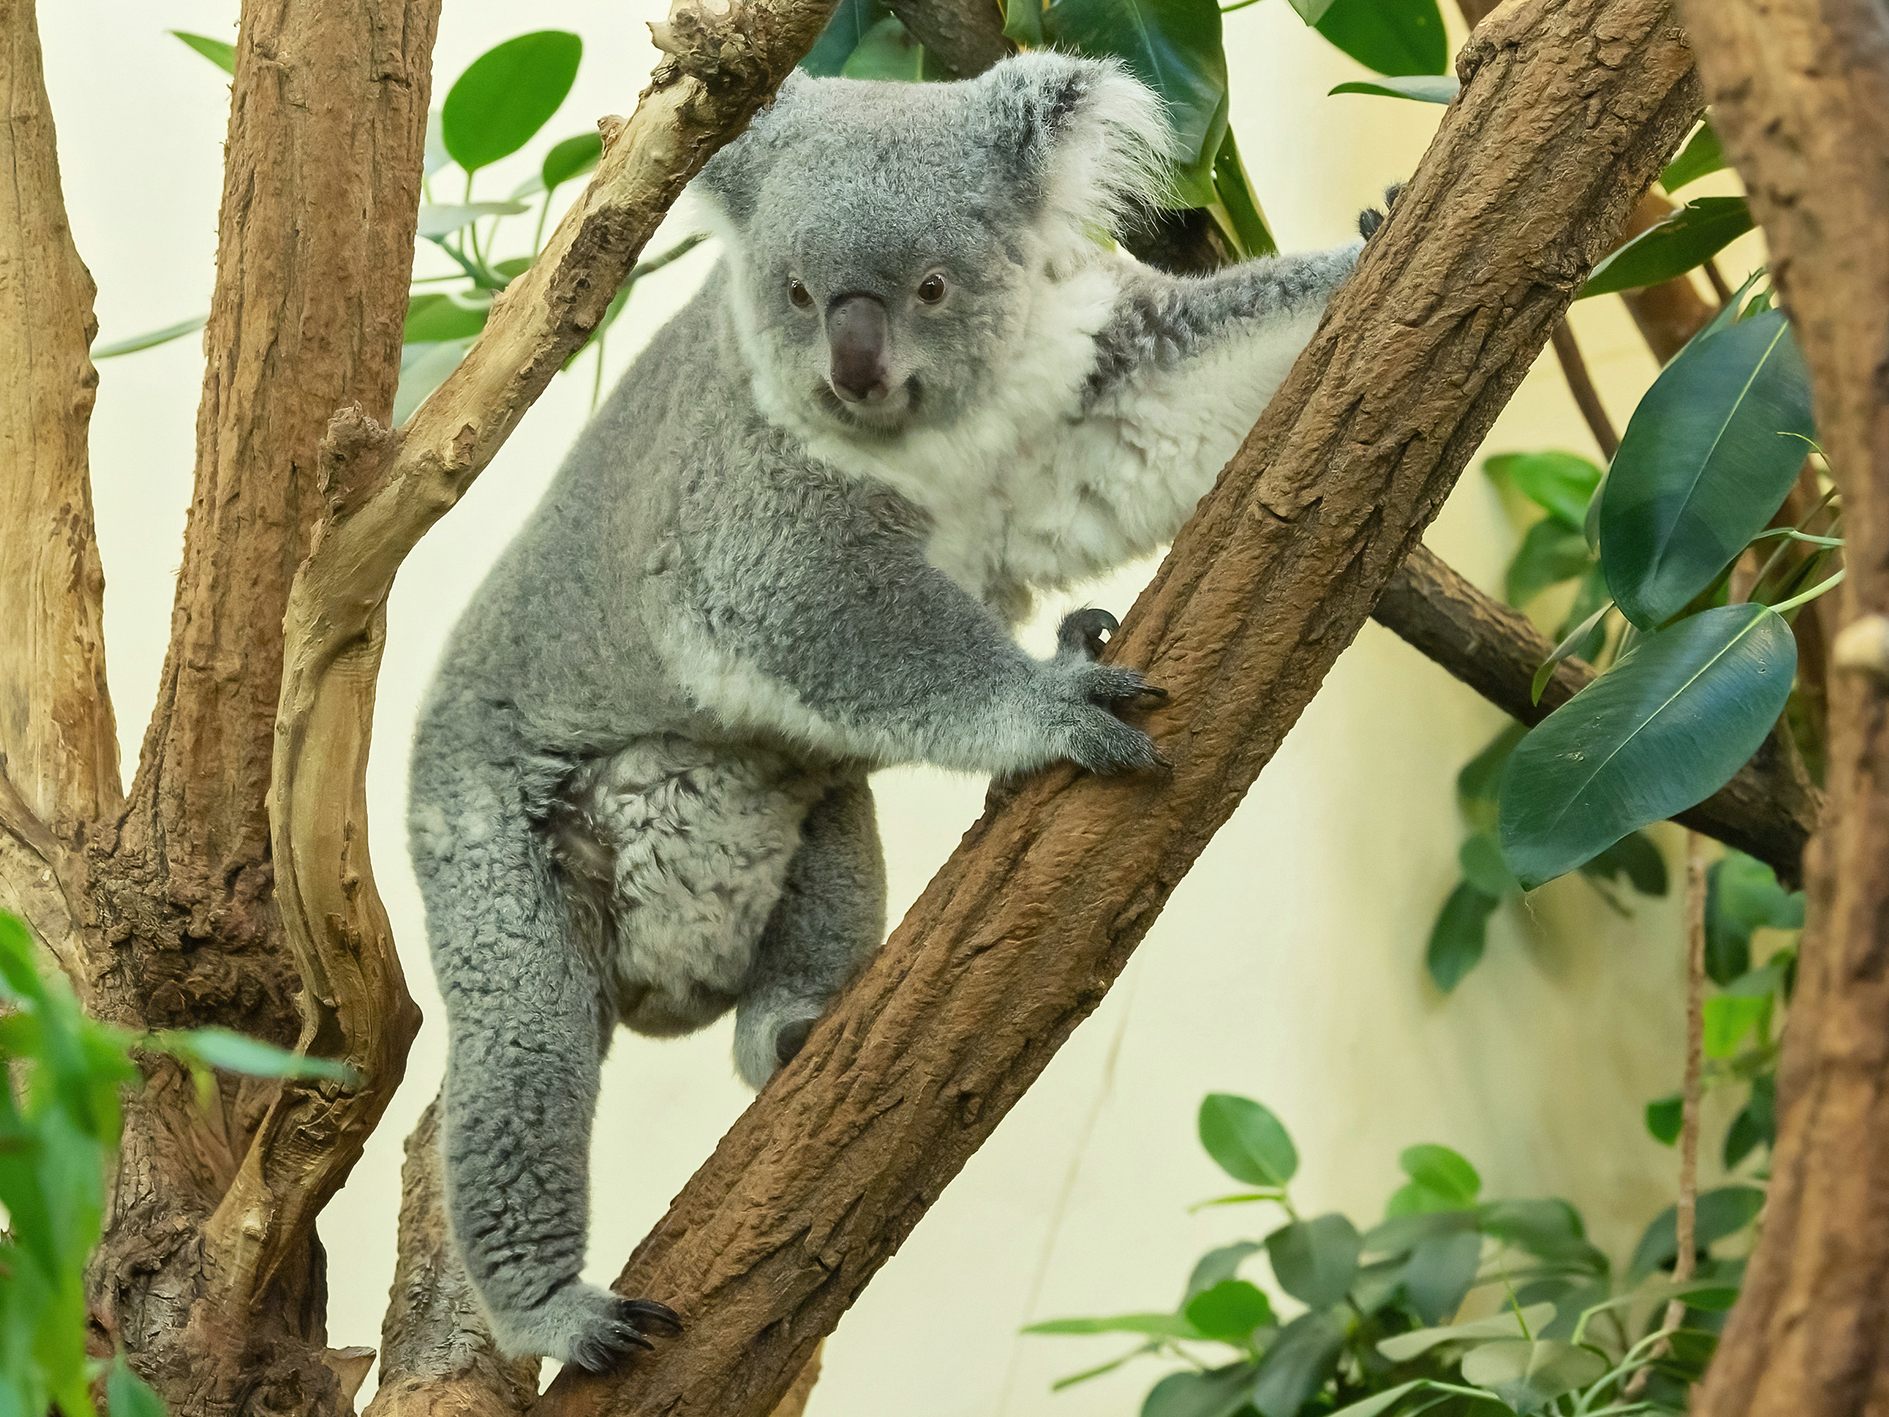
(966, 36)
(1568, 109)
(1800, 92)
(178, 923)
(58, 744)
(1769, 809)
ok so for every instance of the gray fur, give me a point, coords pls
(639, 787)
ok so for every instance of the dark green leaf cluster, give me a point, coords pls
(1367, 1322)
(61, 1074)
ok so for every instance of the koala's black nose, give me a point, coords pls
(855, 337)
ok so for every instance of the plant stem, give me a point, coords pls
(1581, 384)
(1806, 596)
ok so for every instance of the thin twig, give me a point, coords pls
(1581, 384)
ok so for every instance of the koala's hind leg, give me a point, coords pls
(525, 1039)
(828, 921)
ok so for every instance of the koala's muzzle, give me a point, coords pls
(856, 338)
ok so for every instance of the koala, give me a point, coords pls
(921, 385)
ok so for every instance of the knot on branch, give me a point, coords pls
(719, 43)
(353, 451)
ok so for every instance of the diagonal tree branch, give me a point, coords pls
(1769, 809)
(1800, 92)
(1569, 107)
(58, 743)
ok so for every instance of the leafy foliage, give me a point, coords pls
(60, 1078)
(1379, 1332)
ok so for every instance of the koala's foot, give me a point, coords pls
(1097, 738)
(1371, 219)
(769, 1037)
(588, 1327)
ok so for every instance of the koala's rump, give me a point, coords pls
(675, 853)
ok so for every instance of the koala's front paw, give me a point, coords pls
(1084, 633)
(1097, 739)
(1371, 220)
(597, 1329)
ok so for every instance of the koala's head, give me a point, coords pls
(887, 240)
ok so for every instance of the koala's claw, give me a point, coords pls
(791, 1039)
(1086, 632)
(625, 1325)
(1371, 220)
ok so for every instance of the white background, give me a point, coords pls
(1288, 965)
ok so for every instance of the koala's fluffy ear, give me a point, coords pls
(729, 178)
(1093, 139)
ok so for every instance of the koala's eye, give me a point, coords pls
(797, 292)
(932, 288)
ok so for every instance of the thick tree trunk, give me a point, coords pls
(1800, 92)
(1569, 108)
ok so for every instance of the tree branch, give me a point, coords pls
(966, 36)
(1569, 107)
(1769, 809)
(1567, 351)
(1800, 92)
(57, 737)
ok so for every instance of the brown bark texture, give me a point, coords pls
(1568, 110)
(1800, 92)
(1768, 809)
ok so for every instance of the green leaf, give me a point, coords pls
(1230, 1311)
(1729, 1020)
(152, 339)
(438, 219)
(888, 51)
(1396, 37)
(1424, 88)
(1664, 1118)
(435, 157)
(1440, 1273)
(219, 52)
(1413, 1198)
(1101, 1368)
(1173, 46)
(441, 316)
(1476, 783)
(1742, 896)
(1314, 1260)
(1548, 1228)
(1701, 155)
(1246, 1140)
(1483, 867)
(507, 94)
(1235, 190)
(1298, 1363)
(1721, 1212)
(570, 158)
(1404, 1346)
(1667, 726)
(1561, 484)
(850, 22)
(1444, 1171)
(1148, 1325)
(1528, 1374)
(1581, 639)
(1378, 1403)
(1741, 1139)
(1708, 456)
(1459, 936)
(238, 1053)
(1633, 858)
(1220, 1393)
(1311, 11)
(423, 368)
(1023, 23)
(127, 1394)
(1218, 1265)
(1682, 242)
(1403, 1231)
(1550, 553)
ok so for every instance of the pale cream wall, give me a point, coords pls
(1288, 964)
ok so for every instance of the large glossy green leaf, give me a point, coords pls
(1685, 240)
(888, 51)
(1297, 1364)
(507, 94)
(1424, 88)
(1701, 155)
(1665, 728)
(1709, 455)
(1246, 1140)
(850, 22)
(1459, 936)
(1561, 484)
(219, 52)
(1396, 37)
(1173, 46)
(151, 339)
(1440, 1273)
(1234, 188)
(1528, 1374)
(1220, 1393)
(1742, 896)
(1315, 1260)
(1550, 553)
(1635, 859)
(570, 158)
(439, 316)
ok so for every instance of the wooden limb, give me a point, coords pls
(37, 883)
(966, 36)
(1800, 93)
(58, 741)
(1769, 809)
(1568, 108)
(1567, 351)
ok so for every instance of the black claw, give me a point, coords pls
(1154, 693)
(790, 1040)
(1086, 631)
(647, 1313)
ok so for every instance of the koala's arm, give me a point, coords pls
(807, 609)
